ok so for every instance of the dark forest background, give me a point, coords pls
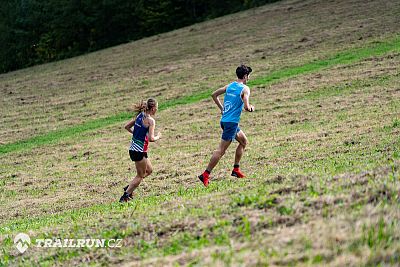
(38, 31)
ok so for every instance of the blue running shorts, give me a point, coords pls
(230, 129)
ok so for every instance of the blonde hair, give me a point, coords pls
(144, 105)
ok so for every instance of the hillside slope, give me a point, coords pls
(323, 154)
(100, 84)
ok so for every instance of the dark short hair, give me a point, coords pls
(243, 70)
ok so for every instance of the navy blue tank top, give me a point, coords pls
(140, 139)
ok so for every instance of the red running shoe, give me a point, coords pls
(237, 173)
(204, 177)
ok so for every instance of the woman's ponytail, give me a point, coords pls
(140, 107)
(145, 105)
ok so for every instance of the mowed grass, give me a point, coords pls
(65, 94)
(323, 167)
(341, 58)
(296, 190)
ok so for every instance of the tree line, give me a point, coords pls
(39, 31)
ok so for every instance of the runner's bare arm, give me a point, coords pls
(129, 125)
(152, 126)
(246, 96)
(217, 93)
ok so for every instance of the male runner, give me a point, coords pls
(237, 95)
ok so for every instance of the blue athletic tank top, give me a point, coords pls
(233, 103)
(139, 138)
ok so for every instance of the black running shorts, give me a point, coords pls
(137, 156)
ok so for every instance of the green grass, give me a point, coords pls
(139, 205)
(322, 161)
(346, 57)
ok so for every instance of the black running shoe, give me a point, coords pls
(125, 188)
(125, 198)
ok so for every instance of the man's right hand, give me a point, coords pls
(250, 109)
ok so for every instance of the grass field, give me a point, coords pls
(323, 159)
